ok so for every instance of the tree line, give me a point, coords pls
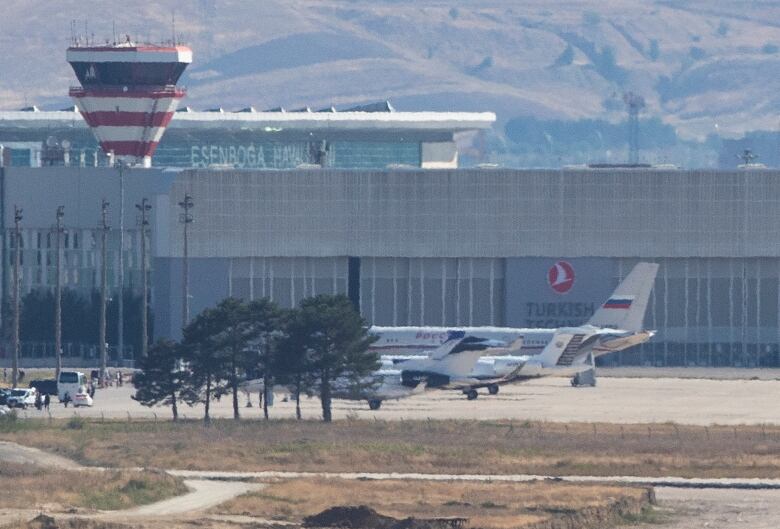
(320, 347)
(80, 316)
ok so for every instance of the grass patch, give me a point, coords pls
(27, 486)
(649, 515)
(75, 423)
(414, 446)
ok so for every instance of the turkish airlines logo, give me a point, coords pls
(561, 277)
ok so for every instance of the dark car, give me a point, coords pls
(4, 396)
(45, 387)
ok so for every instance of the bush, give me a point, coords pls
(697, 53)
(655, 50)
(9, 422)
(75, 423)
(769, 48)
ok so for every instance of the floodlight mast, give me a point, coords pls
(15, 334)
(186, 219)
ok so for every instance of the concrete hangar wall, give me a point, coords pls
(474, 247)
(452, 247)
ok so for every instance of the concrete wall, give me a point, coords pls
(481, 213)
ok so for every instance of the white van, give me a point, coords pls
(71, 383)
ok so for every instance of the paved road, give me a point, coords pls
(615, 400)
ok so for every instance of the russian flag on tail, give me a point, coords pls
(619, 302)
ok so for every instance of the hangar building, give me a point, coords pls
(445, 247)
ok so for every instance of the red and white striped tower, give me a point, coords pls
(128, 94)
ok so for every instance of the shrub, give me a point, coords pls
(769, 48)
(75, 423)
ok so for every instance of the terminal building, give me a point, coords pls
(448, 247)
(372, 136)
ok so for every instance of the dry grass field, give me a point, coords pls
(485, 505)
(502, 447)
(25, 487)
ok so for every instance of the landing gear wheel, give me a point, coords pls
(493, 389)
(472, 394)
(374, 404)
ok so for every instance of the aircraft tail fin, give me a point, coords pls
(625, 309)
(453, 339)
(553, 350)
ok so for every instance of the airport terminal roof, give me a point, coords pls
(376, 116)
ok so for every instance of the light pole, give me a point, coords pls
(58, 292)
(103, 287)
(15, 336)
(144, 208)
(186, 219)
(120, 331)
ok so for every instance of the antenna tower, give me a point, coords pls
(634, 104)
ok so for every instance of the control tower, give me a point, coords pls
(128, 94)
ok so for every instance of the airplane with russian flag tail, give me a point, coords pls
(616, 325)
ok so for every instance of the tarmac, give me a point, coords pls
(615, 399)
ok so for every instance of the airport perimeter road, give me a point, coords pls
(614, 400)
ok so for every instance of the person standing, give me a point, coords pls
(46, 401)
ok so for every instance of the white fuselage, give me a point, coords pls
(399, 343)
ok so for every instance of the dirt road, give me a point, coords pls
(203, 495)
(14, 453)
(720, 508)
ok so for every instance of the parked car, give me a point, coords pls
(82, 399)
(45, 387)
(4, 410)
(22, 397)
(4, 393)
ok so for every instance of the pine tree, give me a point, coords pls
(230, 320)
(292, 363)
(265, 322)
(208, 371)
(335, 338)
(161, 379)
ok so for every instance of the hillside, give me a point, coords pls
(703, 67)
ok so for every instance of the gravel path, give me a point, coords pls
(203, 495)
